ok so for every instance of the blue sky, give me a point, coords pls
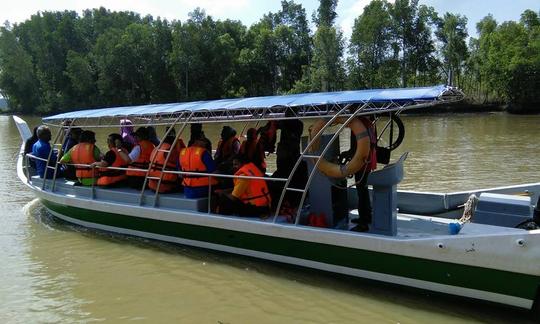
(250, 11)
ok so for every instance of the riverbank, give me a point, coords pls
(460, 107)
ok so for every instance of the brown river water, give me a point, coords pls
(53, 272)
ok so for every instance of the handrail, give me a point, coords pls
(326, 148)
(49, 161)
(306, 150)
(202, 174)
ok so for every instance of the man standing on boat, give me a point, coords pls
(363, 138)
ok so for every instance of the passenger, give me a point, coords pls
(158, 158)
(288, 149)
(198, 134)
(288, 152)
(152, 135)
(126, 130)
(249, 197)
(86, 152)
(268, 136)
(252, 149)
(72, 139)
(139, 158)
(196, 158)
(364, 204)
(28, 146)
(179, 142)
(228, 147)
(42, 149)
(116, 157)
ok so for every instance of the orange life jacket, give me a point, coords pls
(191, 161)
(157, 160)
(83, 153)
(143, 161)
(109, 176)
(257, 192)
(225, 148)
(372, 132)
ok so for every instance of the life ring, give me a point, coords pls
(359, 158)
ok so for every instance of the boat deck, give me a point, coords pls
(414, 226)
(409, 226)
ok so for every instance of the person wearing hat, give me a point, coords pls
(83, 155)
(126, 131)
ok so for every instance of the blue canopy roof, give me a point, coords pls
(239, 104)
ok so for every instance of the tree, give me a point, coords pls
(326, 72)
(403, 13)
(370, 47)
(452, 33)
(17, 78)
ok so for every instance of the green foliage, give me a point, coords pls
(452, 33)
(57, 61)
(505, 62)
(17, 78)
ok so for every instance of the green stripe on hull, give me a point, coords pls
(485, 279)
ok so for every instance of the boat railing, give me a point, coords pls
(177, 172)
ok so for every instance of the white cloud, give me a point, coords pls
(21, 10)
(219, 9)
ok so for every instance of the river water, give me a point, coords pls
(54, 272)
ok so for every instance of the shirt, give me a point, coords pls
(41, 149)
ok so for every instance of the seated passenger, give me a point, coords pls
(249, 197)
(228, 147)
(196, 158)
(198, 134)
(152, 135)
(72, 139)
(28, 145)
(252, 149)
(179, 142)
(84, 153)
(158, 159)
(42, 149)
(126, 131)
(139, 158)
(116, 157)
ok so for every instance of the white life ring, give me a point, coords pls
(360, 157)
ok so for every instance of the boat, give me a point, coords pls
(471, 244)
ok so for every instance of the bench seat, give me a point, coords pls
(124, 195)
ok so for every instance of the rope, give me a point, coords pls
(468, 209)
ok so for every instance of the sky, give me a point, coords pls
(250, 11)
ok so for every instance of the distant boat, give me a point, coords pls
(487, 256)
